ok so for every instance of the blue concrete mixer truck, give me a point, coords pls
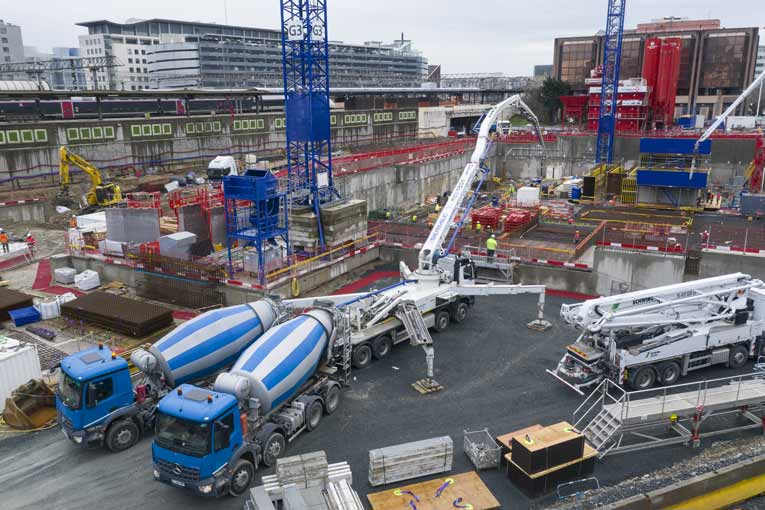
(211, 441)
(99, 404)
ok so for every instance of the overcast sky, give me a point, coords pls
(464, 36)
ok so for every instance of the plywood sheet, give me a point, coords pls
(467, 486)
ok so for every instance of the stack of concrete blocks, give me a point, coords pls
(307, 482)
(410, 460)
(132, 226)
(341, 222)
(177, 246)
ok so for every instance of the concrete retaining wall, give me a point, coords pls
(402, 186)
(716, 263)
(619, 271)
(32, 212)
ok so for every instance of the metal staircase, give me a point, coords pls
(616, 421)
(599, 418)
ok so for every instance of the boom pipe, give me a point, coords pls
(432, 249)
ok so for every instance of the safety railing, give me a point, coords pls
(666, 401)
(315, 262)
(607, 393)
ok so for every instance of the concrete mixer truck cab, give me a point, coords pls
(97, 402)
(212, 441)
(94, 391)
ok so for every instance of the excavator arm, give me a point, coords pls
(67, 159)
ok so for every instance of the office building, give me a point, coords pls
(172, 54)
(542, 72)
(760, 65)
(716, 64)
(11, 48)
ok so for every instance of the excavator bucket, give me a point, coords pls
(30, 406)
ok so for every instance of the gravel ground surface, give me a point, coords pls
(491, 365)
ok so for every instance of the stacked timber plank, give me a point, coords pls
(12, 300)
(306, 482)
(541, 458)
(309, 470)
(410, 460)
(117, 313)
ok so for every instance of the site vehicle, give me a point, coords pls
(222, 166)
(99, 404)
(659, 335)
(100, 193)
(211, 441)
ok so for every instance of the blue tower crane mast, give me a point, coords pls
(305, 65)
(612, 55)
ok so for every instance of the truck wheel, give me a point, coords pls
(273, 448)
(362, 356)
(122, 435)
(669, 373)
(460, 312)
(313, 415)
(381, 346)
(643, 378)
(442, 321)
(738, 357)
(241, 477)
(332, 399)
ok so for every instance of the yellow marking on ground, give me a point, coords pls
(725, 497)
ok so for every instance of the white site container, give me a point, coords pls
(18, 364)
(528, 197)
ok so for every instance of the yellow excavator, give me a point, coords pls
(100, 193)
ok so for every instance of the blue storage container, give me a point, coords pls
(24, 316)
(576, 193)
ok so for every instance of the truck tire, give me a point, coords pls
(273, 448)
(241, 477)
(442, 321)
(738, 357)
(122, 434)
(642, 378)
(460, 312)
(381, 346)
(362, 356)
(313, 415)
(332, 399)
(669, 373)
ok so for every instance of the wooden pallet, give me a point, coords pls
(427, 386)
(467, 486)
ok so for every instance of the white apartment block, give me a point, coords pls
(130, 51)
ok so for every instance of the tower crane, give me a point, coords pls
(609, 91)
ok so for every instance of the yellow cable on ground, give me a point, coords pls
(725, 497)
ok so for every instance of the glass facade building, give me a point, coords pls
(185, 54)
(716, 64)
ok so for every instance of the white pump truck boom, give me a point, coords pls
(659, 335)
(211, 441)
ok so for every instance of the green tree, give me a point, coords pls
(545, 100)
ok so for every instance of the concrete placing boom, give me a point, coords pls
(658, 335)
(433, 248)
